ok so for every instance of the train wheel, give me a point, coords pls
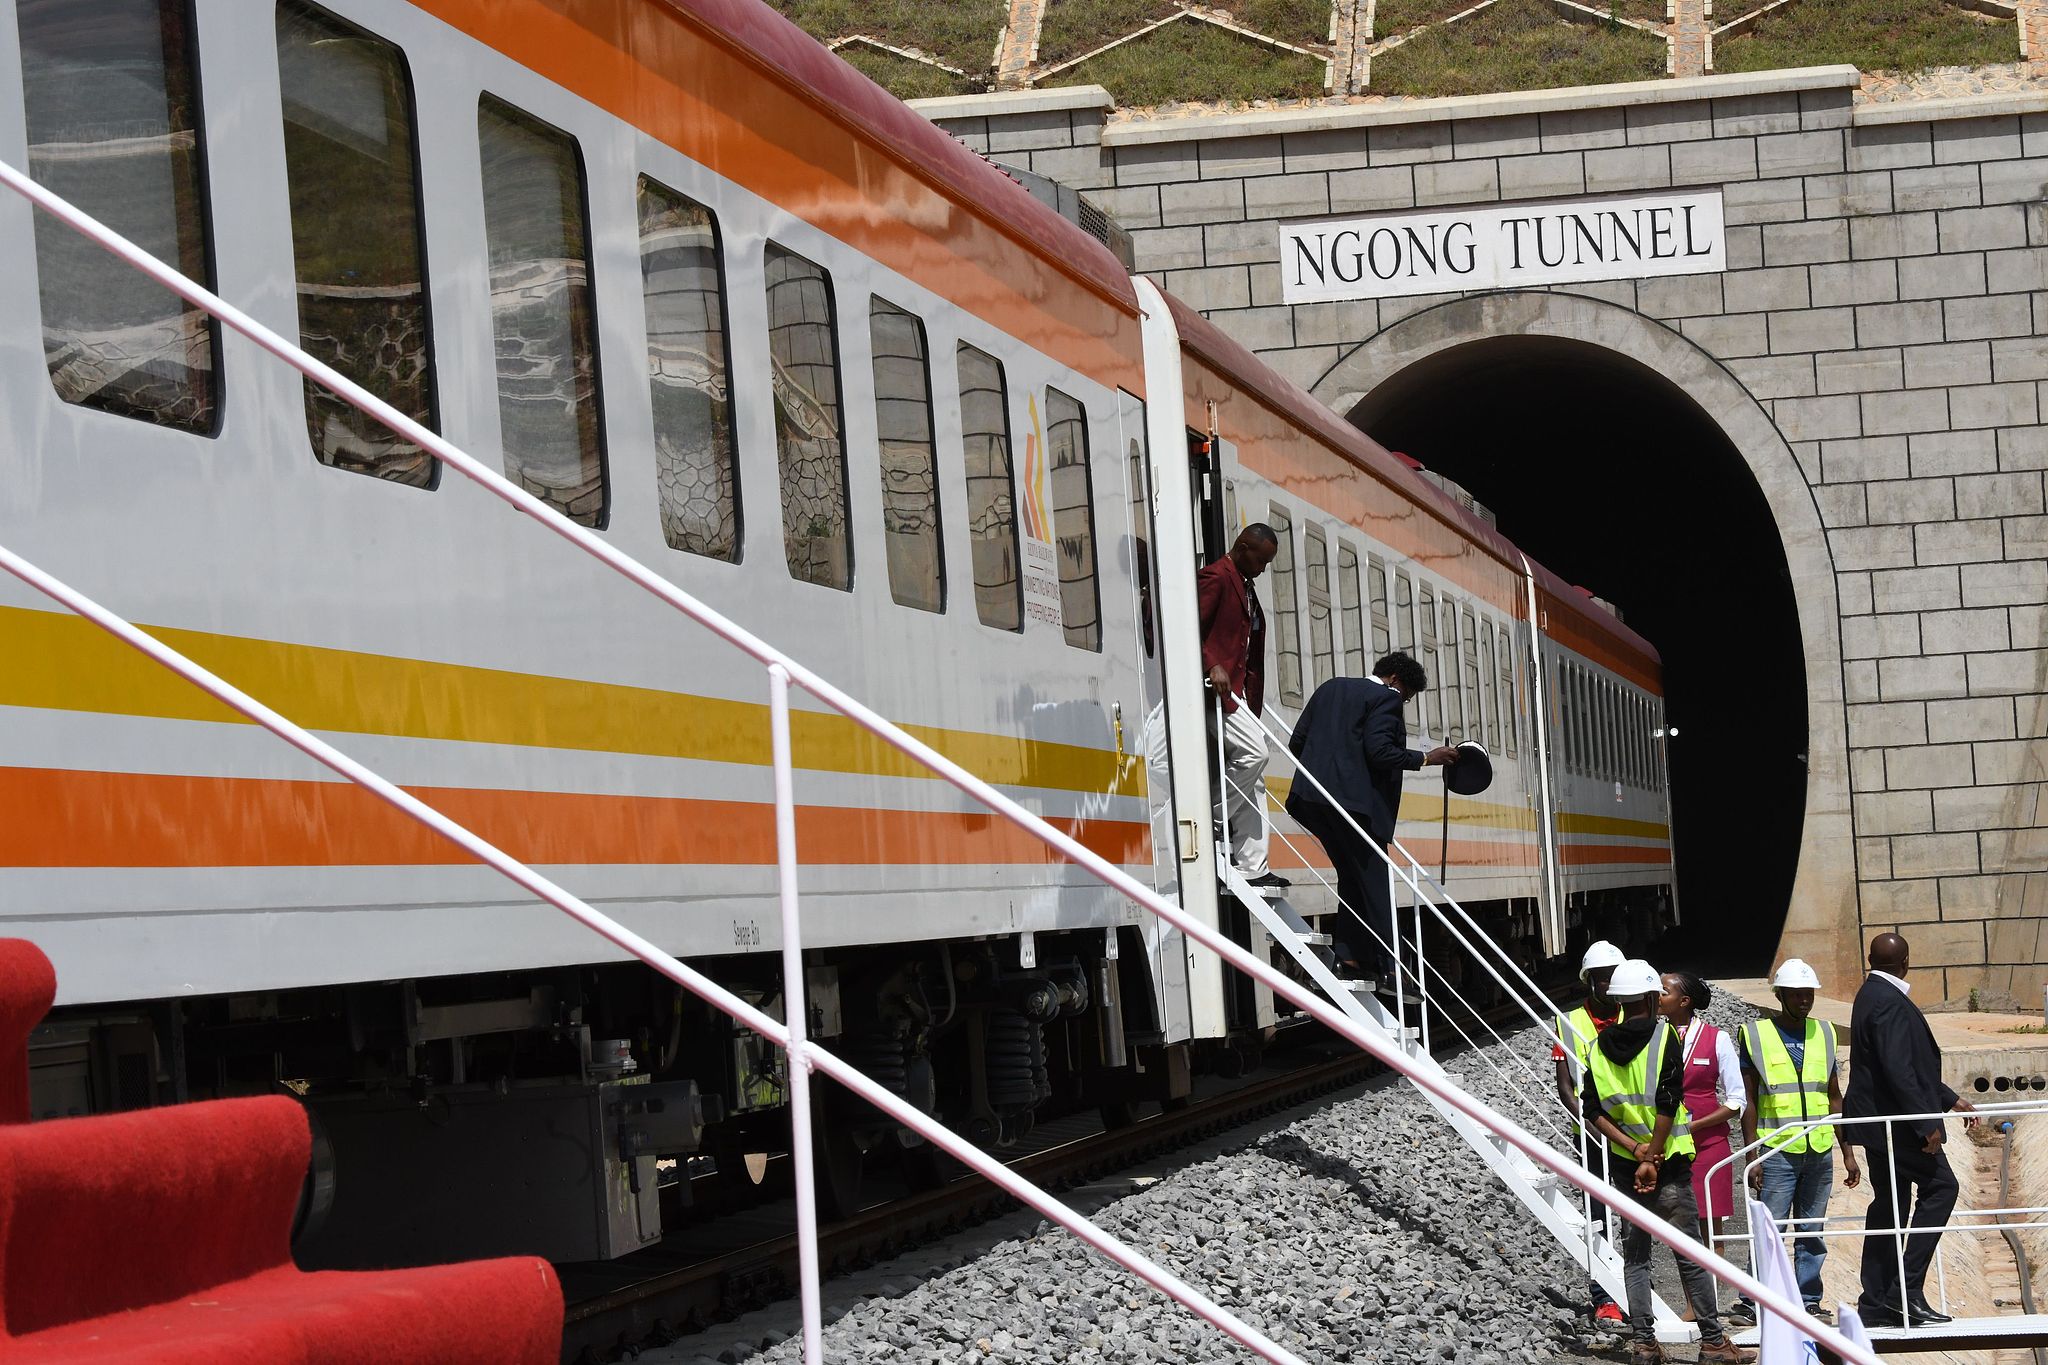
(840, 1167)
(925, 1167)
(1118, 1114)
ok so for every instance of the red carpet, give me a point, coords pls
(164, 1235)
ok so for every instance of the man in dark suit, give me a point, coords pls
(1234, 665)
(1352, 737)
(1895, 1068)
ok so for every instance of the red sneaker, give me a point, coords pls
(1609, 1312)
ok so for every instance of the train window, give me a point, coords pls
(1376, 586)
(1590, 701)
(1659, 754)
(1642, 744)
(1582, 733)
(991, 498)
(1618, 719)
(350, 164)
(1137, 480)
(1561, 709)
(1510, 712)
(1073, 519)
(1404, 614)
(1433, 699)
(1321, 643)
(1603, 738)
(1468, 643)
(542, 311)
(1286, 611)
(1610, 752)
(1350, 603)
(810, 442)
(1629, 732)
(682, 281)
(1447, 682)
(112, 98)
(910, 475)
(1489, 694)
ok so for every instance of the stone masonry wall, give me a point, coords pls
(1886, 304)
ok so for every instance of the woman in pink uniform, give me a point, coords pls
(1713, 1094)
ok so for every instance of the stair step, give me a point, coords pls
(1312, 939)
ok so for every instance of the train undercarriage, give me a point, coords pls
(571, 1112)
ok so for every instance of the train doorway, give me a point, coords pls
(1616, 477)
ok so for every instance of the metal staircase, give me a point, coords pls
(1558, 1206)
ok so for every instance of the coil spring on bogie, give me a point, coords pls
(1017, 1077)
(885, 1057)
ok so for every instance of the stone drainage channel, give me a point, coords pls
(1353, 1228)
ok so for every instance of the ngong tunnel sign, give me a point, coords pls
(1502, 246)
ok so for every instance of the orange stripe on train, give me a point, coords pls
(61, 818)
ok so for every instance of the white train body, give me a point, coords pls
(194, 878)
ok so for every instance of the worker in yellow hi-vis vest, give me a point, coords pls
(1633, 1100)
(1791, 1069)
(1575, 1034)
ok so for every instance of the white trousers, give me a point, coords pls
(1241, 807)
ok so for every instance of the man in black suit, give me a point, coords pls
(1895, 1068)
(1352, 737)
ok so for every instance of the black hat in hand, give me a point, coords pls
(1471, 772)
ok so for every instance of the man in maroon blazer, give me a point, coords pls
(1234, 655)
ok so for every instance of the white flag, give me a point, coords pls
(1778, 1341)
(1851, 1324)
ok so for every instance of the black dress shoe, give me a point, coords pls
(1926, 1314)
(1270, 879)
(1879, 1315)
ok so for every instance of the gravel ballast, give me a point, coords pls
(1363, 1232)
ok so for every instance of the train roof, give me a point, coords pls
(758, 34)
(1268, 386)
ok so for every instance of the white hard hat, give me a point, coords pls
(1632, 978)
(1795, 974)
(1600, 954)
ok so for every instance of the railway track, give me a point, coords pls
(602, 1323)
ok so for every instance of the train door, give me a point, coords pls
(1546, 765)
(1213, 532)
(1167, 959)
(1175, 521)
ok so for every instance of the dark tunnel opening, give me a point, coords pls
(1615, 479)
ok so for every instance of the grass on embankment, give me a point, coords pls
(1517, 45)
(1191, 60)
(962, 33)
(1873, 35)
(1072, 27)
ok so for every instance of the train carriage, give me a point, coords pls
(698, 285)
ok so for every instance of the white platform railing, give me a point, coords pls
(1825, 1228)
(783, 671)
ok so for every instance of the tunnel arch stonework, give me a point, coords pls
(1822, 924)
(1876, 350)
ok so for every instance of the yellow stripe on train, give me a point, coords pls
(60, 662)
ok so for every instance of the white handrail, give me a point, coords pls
(804, 1056)
(1900, 1233)
(1302, 997)
(1557, 1017)
(1543, 1114)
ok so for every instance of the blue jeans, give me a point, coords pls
(1798, 1184)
